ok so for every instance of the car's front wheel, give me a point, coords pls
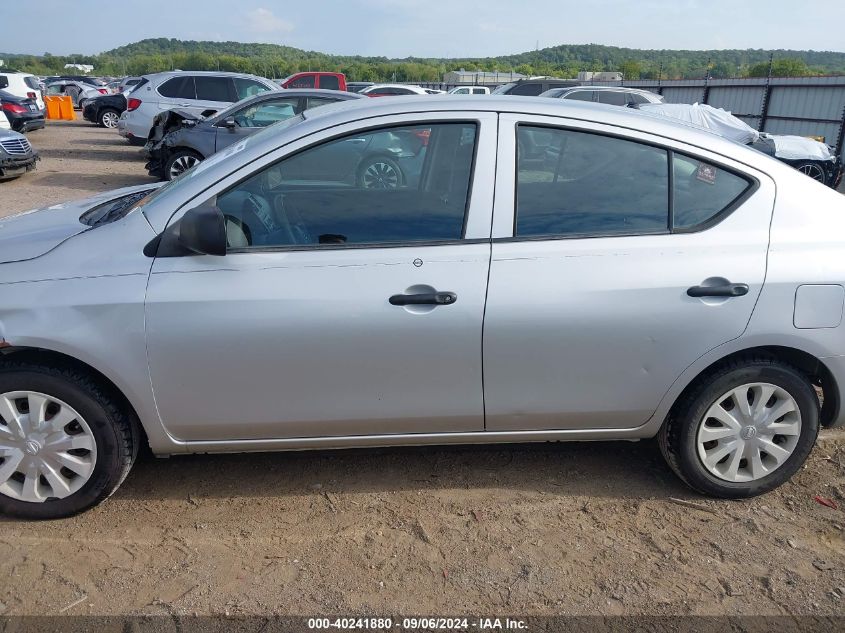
(743, 429)
(179, 162)
(813, 170)
(66, 443)
(380, 172)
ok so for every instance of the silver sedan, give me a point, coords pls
(428, 271)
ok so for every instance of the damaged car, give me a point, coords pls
(180, 139)
(16, 155)
(807, 155)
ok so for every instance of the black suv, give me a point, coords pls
(533, 87)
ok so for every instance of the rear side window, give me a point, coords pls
(178, 88)
(306, 81)
(215, 89)
(635, 98)
(611, 97)
(316, 102)
(329, 82)
(701, 191)
(248, 88)
(31, 82)
(576, 183)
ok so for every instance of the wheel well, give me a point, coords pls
(813, 369)
(50, 358)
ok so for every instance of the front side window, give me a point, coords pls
(527, 89)
(215, 89)
(393, 185)
(316, 102)
(267, 112)
(178, 88)
(577, 183)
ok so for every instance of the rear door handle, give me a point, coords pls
(428, 299)
(723, 290)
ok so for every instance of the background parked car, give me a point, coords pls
(326, 81)
(533, 87)
(470, 90)
(16, 155)
(23, 85)
(811, 157)
(393, 90)
(617, 96)
(179, 139)
(22, 113)
(105, 110)
(358, 86)
(78, 91)
(201, 93)
(127, 83)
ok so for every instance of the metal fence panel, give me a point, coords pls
(739, 101)
(683, 94)
(803, 128)
(808, 102)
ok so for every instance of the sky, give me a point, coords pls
(424, 28)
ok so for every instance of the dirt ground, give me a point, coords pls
(592, 528)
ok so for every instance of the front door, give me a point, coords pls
(339, 309)
(589, 317)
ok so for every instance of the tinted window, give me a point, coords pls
(574, 183)
(635, 98)
(32, 82)
(527, 89)
(248, 88)
(215, 89)
(580, 95)
(701, 191)
(329, 82)
(611, 97)
(178, 88)
(302, 82)
(267, 112)
(316, 102)
(395, 185)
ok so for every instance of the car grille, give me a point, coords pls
(16, 146)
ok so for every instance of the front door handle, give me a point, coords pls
(427, 299)
(722, 290)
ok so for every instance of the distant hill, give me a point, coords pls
(152, 55)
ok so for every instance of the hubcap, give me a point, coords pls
(381, 176)
(110, 119)
(749, 432)
(813, 171)
(47, 450)
(181, 165)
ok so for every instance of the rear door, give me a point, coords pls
(251, 118)
(213, 93)
(588, 318)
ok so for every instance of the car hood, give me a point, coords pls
(31, 234)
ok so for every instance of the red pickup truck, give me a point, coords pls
(326, 81)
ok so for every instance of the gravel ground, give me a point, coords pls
(593, 528)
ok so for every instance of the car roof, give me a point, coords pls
(412, 86)
(210, 73)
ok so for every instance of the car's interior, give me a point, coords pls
(274, 208)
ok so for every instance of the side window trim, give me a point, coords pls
(477, 122)
(753, 186)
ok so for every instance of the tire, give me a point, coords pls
(179, 162)
(113, 431)
(682, 437)
(380, 172)
(813, 170)
(108, 118)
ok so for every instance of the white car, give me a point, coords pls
(470, 90)
(608, 95)
(196, 92)
(78, 91)
(395, 90)
(22, 85)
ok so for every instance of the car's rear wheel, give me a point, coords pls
(179, 162)
(109, 118)
(743, 429)
(66, 443)
(813, 170)
(380, 172)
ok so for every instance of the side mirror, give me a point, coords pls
(228, 122)
(202, 230)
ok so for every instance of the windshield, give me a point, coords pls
(503, 89)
